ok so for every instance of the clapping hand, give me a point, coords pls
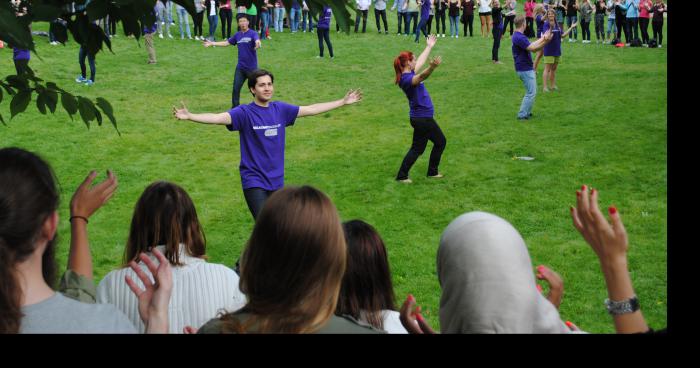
(353, 95)
(411, 318)
(435, 62)
(181, 114)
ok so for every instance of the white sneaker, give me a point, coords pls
(456, 36)
(170, 36)
(443, 35)
(160, 35)
(405, 181)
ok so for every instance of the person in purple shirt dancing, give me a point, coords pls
(421, 110)
(261, 127)
(424, 15)
(523, 64)
(248, 42)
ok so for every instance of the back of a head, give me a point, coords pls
(294, 262)
(367, 282)
(487, 281)
(165, 215)
(28, 196)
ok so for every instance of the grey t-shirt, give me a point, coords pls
(59, 314)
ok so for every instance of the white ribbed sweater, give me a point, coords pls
(200, 291)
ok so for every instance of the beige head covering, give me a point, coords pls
(487, 281)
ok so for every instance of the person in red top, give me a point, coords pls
(530, 18)
(645, 9)
(657, 23)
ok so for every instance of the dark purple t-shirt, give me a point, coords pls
(20, 54)
(247, 56)
(419, 102)
(324, 21)
(553, 48)
(523, 59)
(261, 131)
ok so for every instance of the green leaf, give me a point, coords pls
(87, 110)
(44, 12)
(0, 94)
(41, 103)
(51, 99)
(2, 120)
(97, 9)
(18, 81)
(14, 30)
(69, 103)
(98, 116)
(52, 86)
(20, 102)
(107, 109)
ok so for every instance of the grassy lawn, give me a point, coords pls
(606, 127)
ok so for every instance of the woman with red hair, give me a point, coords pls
(421, 110)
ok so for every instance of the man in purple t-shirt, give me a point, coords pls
(261, 127)
(523, 64)
(248, 42)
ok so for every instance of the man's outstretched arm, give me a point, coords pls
(206, 118)
(350, 98)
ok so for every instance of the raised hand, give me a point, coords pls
(431, 40)
(181, 114)
(556, 284)
(353, 95)
(411, 318)
(154, 300)
(87, 200)
(436, 61)
(608, 240)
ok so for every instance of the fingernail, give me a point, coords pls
(568, 323)
(593, 191)
(420, 317)
(612, 210)
(539, 288)
(410, 297)
(578, 193)
(583, 187)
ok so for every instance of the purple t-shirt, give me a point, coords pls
(419, 102)
(523, 59)
(20, 54)
(324, 21)
(553, 48)
(425, 10)
(261, 131)
(247, 56)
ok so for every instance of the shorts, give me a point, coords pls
(487, 14)
(552, 59)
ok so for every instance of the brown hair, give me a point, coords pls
(519, 21)
(366, 288)
(293, 264)
(28, 196)
(165, 215)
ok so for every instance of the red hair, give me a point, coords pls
(400, 63)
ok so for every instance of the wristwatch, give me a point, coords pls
(630, 305)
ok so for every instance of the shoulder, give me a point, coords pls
(347, 324)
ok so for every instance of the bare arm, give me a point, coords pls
(206, 118)
(539, 44)
(423, 57)
(224, 43)
(350, 98)
(418, 78)
(569, 30)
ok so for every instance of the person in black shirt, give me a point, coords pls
(571, 18)
(497, 29)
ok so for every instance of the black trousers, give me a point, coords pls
(401, 17)
(424, 130)
(644, 26)
(633, 27)
(22, 66)
(585, 30)
(529, 28)
(362, 13)
(496, 30)
(226, 16)
(440, 17)
(324, 34)
(198, 19)
(469, 22)
(509, 19)
(657, 28)
(382, 13)
(255, 199)
(621, 24)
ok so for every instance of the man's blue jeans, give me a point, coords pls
(530, 81)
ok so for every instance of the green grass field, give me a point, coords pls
(606, 127)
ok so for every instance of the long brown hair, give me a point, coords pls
(366, 287)
(293, 264)
(28, 196)
(165, 215)
(400, 63)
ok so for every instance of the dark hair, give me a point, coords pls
(293, 264)
(165, 215)
(254, 75)
(28, 196)
(366, 288)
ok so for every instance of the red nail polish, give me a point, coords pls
(420, 317)
(612, 210)
(578, 194)
(539, 288)
(568, 323)
(583, 187)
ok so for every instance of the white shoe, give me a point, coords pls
(456, 36)
(160, 35)
(443, 35)
(405, 181)
(170, 36)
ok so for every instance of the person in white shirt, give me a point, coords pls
(485, 17)
(380, 10)
(165, 219)
(362, 10)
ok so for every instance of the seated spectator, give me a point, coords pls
(366, 293)
(165, 219)
(487, 282)
(28, 222)
(292, 269)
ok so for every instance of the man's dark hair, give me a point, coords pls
(255, 74)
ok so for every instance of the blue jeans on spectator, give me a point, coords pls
(213, 21)
(266, 25)
(239, 79)
(611, 27)
(81, 60)
(279, 18)
(305, 14)
(169, 12)
(571, 19)
(294, 15)
(182, 17)
(530, 81)
(454, 26)
(408, 16)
